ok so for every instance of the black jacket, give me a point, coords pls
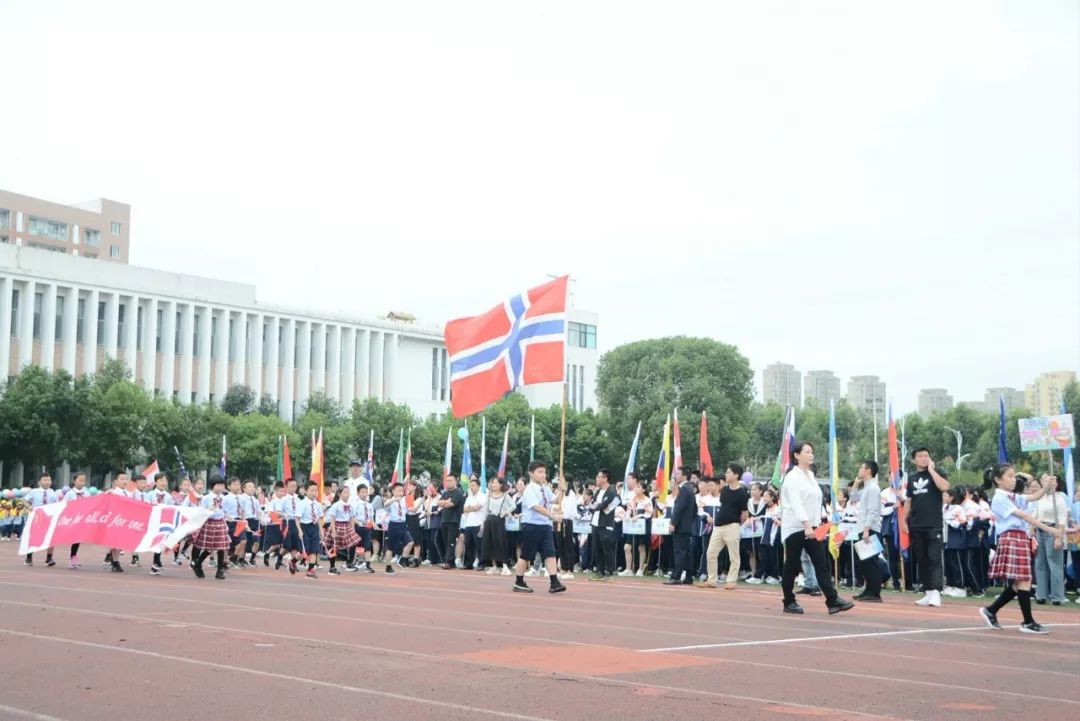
(684, 512)
(603, 500)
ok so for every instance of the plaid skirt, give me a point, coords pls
(212, 536)
(344, 535)
(1013, 558)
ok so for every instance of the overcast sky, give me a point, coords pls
(868, 187)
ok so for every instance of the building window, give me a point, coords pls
(115, 228)
(195, 324)
(265, 346)
(213, 336)
(46, 246)
(80, 314)
(581, 335)
(38, 299)
(445, 390)
(15, 296)
(101, 323)
(176, 340)
(92, 237)
(48, 228)
(157, 340)
(435, 375)
(138, 327)
(581, 388)
(121, 317)
(5, 218)
(114, 251)
(4, 239)
(58, 330)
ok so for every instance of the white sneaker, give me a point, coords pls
(799, 580)
(531, 572)
(641, 574)
(953, 592)
(626, 574)
(458, 563)
(772, 581)
(425, 562)
(924, 601)
(1077, 600)
(722, 578)
(754, 581)
(490, 571)
(567, 576)
(543, 573)
(935, 599)
(506, 571)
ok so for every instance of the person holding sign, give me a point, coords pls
(868, 518)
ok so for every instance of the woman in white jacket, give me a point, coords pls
(800, 502)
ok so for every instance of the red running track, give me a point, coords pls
(89, 645)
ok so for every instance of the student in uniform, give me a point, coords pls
(955, 528)
(158, 496)
(472, 521)
(1012, 562)
(40, 496)
(272, 535)
(231, 503)
(636, 548)
(771, 545)
(214, 533)
(251, 512)
(537, 519)
(120, 488)
(398, 540)
(7, 518)
(342, 514)
(750, 541)
(308, 516)
(976, 526)
(363, 520)
(494, 544)
(139, 485)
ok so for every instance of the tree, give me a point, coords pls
(267, 405)
(253, 442)
(645, 380)
(238, 400)
(39, 418)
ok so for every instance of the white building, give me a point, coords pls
(867, 393)
(191, 338)
(934, 400)
(821, 388)
(582, 360)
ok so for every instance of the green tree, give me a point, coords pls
(267, 406)
(40, 419)
(645, 380)
(238, 400)
(253, 446)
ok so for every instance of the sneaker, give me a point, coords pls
(368, 568)
(543, 573)
(117, 568)
(556, 587)
(28, 562)
(176, 561)
(743, 575)
(924, 601)
(531, 572)
(506, 571)
(990, 617)
(722, 578)
(626, 574)
(793, 608)
(458, 563)
(1032, 627)
(155, 571)
(772, 581)
(311, 574)
(390, 570)
(568, 576)
(156, 566)
(754, 581)
(490, 571)
(521, 587)
(292, 566)
(935, 598)
(425, 562)
(50, 562)
(73, 562)
(197, 570)
(640, 573)
(955, 593)
(840, 605)
(334, 572)
(220, 575)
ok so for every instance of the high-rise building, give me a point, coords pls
(934, 400)
(866, 393)
(821, 387)
(95, 229)
(782, 384)
(1013, 399)
(1043, 397)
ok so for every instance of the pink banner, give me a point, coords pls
(109, 520)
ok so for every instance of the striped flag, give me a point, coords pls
(631, 462)
(1070, 472)
(466, 458)
(408, 456)
(284, 464)
(836, 537)
(398, 476)
(894, 453)
(151, 470)
(224, 456)
(1003, 453)
(787, 442)
(317, 474)
(663, 470)
(369, 466)
(678, 443)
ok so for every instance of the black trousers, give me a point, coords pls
(794, 545)
(449, 536)
(682, 557)
(605, 557)
(871, 571)
(927, 545)
(472, 546)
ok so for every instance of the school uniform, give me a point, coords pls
(250, 511)
(397, 532)
(494, 543)
(750, 537)
(1012, 562)
(536, 528)
(976, 526)
(272, 534)
(341, 515)
(363, 520)
(40, 497)
(954, 528)
(309, 513)
(214, 534)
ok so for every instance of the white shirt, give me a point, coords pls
(1044, 509)
(475, 519)
(800, 502)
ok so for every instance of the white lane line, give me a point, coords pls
(23, 713)
(280, 677)
(838, 637)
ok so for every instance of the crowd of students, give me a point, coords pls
(705, 531)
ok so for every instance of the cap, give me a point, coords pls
(355, 462)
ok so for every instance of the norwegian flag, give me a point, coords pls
(168, 522)
(518, 342)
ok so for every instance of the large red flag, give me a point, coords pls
(519, 342)
(706, 456)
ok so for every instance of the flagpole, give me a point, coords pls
(875, 432)
(562, 435)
